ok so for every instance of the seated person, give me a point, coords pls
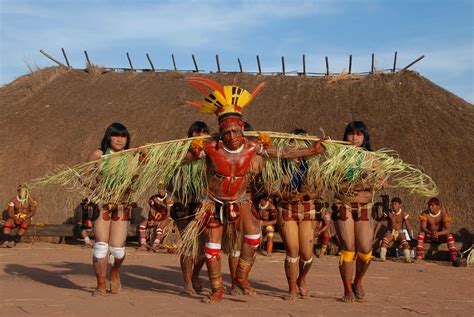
(158, 219)
(397, 217)
(435, 227)
(20, 211)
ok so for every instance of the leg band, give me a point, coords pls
(100, 250)
(289, 259)
(269, 230)
(253, 240)
(212, 250)
(306, 263)
(118, 253)
(235, 253)
(450, 239)
(346, 256)
(404, 244)
(159, 231)
(366, 257)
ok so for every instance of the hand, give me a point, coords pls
(318, 147)
(435, 234)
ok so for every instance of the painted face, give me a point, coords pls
(396, 206)
(434, 208)
(162, 192)
(232, 136)
(22, 192)
(118, 141)
(356, 138)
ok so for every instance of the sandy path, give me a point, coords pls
(56, 280)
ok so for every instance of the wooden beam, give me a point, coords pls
(283, 65)
(195, 63)
(327, 66)
(412, 63)
(130, 61)
(87, 59)
(240, 65)
(52, 58)
(65, 57)
(149, 61)
(373, 61)
(304, 64)
(258, 65)
(218, 64)
(394, 62)
(350, 64)
(174, 62)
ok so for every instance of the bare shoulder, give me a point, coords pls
(95, 155)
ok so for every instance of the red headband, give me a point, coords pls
(224, 123)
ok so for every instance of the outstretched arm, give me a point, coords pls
(289, 152)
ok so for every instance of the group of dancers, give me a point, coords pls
(228, 215)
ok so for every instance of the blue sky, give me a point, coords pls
(440, 30)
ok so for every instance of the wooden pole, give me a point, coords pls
(283, 65)
(130, 61)
(65, 57)
(149, 61)
(259, 66)
(373, 60)
(174, 62)
(327, 66)
(218, 64)
(51, 58)
(412, 63)
(350, 64)
(195, 64)
(87, 59)
(304, 64)
(240, 65)
(394, 62)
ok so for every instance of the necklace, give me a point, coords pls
(399, 212)
(434, 216)
(264, 207)
(234, 151)
(161, 199)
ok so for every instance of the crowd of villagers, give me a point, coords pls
(222, 189)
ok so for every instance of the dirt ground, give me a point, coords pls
(57, 280)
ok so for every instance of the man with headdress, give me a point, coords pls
(228, 159)
(20, 211)
(435, 226)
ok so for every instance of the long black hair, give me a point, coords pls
(198, 126)
(358, 126)
(115, 129)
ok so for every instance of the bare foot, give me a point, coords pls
(143, 248)
(358, 292)
(347, 298)
(197, 284)
(115, 284)
(304, 291)
(189, 291)
(213, 298)
(291, 296)
(235, 291)
(245, 287)
(99, 292)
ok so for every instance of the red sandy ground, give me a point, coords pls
(57, 280)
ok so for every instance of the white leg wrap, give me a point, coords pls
(305, 263)
(117, 253)
(100, 250)
(289, 259)
(235, 253)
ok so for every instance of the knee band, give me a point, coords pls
(212, 250)
(100, 250)
(404, 244)
(24, 227)
(159, 231)
(253, 240)
(289, 259)
(269, 231)
(118, 253)
(450, 239)
(141, 228)
(366, 257)
(306, 263)
(235, 253)
(346, 256)
(421, 238)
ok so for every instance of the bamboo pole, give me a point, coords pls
(327, 66)
(52, 58)
(240, 65)
(373, 61)
(87, 58)
(149, 61)
(65, 57)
